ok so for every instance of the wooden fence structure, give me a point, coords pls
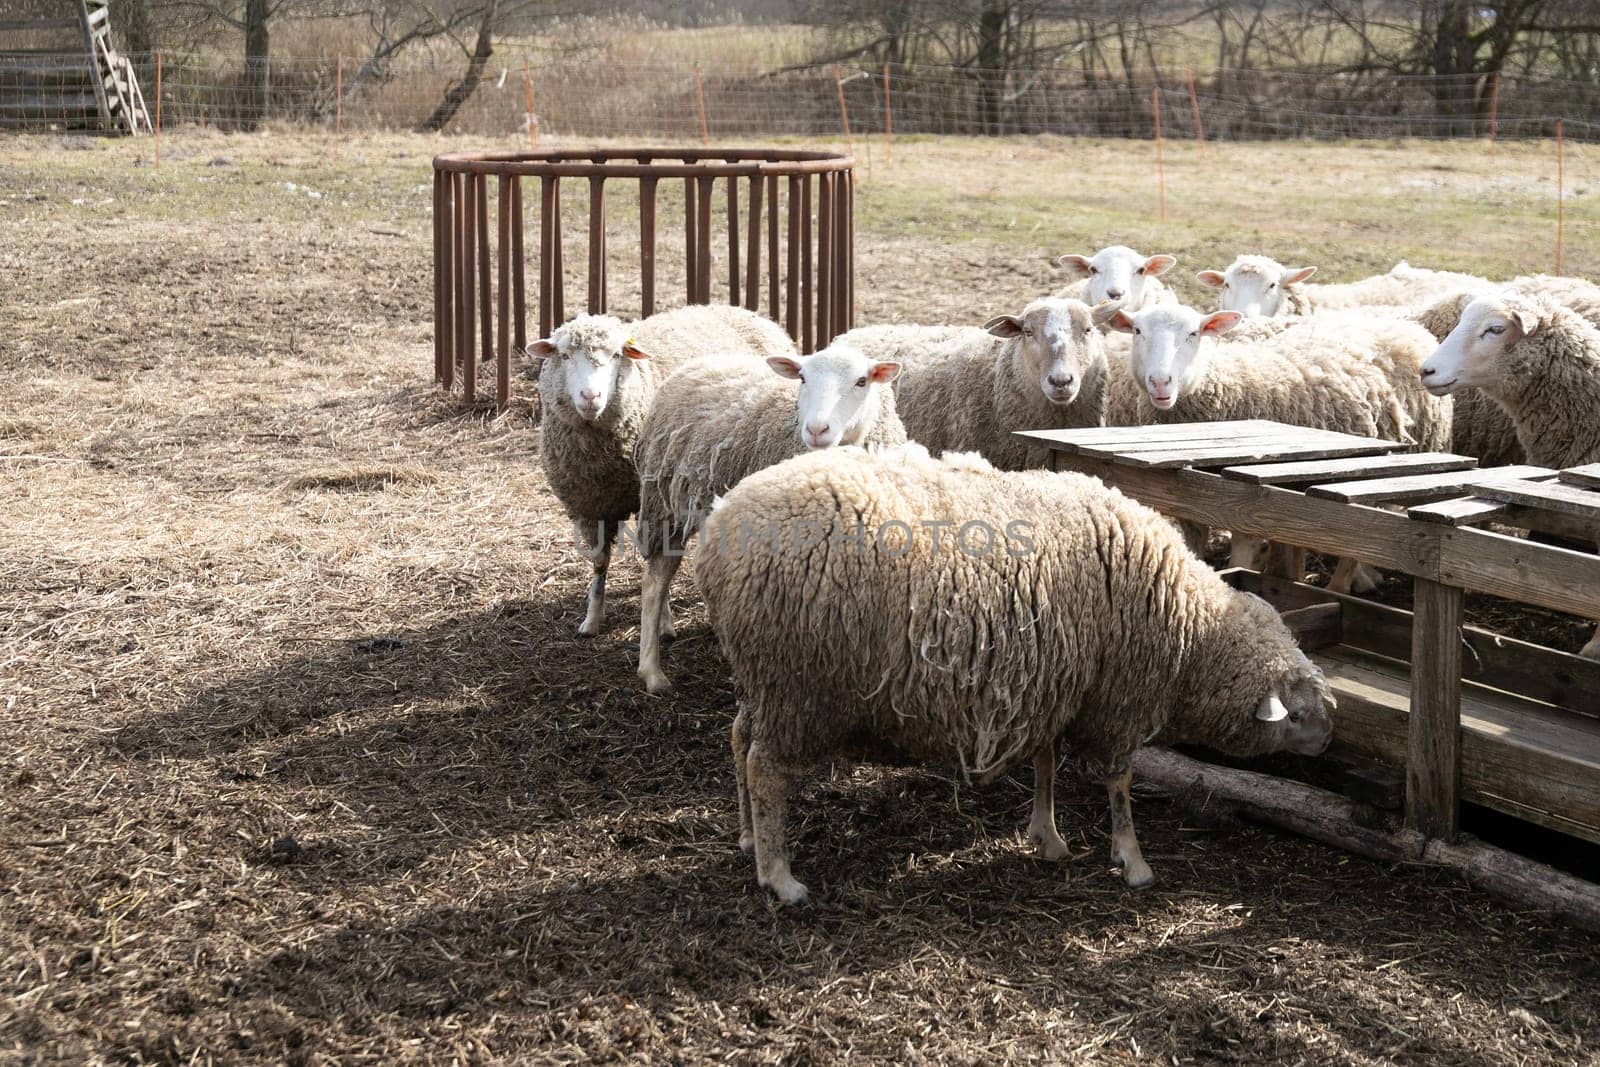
(809, 260)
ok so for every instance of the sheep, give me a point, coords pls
(598, 378)
(1118, 273)
(968, 389)
(719, 419)
(1258, 285)
(1333, 374)
(897, 606)
(1538, 360)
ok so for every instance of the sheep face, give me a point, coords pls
(1116, 273)
(840, 394)
(587, 361)
(1057, 342)
(1254, 285)
(1168, 352)
(1477, 351)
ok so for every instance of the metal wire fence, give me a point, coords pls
(570, 98)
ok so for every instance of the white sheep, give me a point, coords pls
(1353, 375)
(1540, 361)
(1260, 285)
(967, 389)
(720, 419)
(1119, 274)
(893, 605)
(597, 381)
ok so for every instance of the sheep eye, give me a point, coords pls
(1137, 330)
(1272, 285)
(861, 382)
(1094, 270)
(1194, 334)
(1139, 271)
(802, 379)
(1497, 328)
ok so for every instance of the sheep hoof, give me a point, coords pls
(788, 890)
(655, 681)
(747, 843)
(1138, 875)
(588, 628)
(1365, 579)
(1049, 844)
(1592, 649)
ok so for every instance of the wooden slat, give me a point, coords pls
(1433, 747)
(1458, 511)
(1246, 452)
(26, 25)
(1518, 569)
(1315, 625)
(1567, 499)
(1070, 439)
(1587, 476)
(1325, 470)
(1414, 488)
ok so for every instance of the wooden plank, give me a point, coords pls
(1567, 499)
(1287, 437)
(1325, 470)
(27, 25)
(1517, 569)
(1415, 488)
(1488, 660)
(1069, 438)
(1382, 538)
(1316, 625)
(1536, 763)
(1247, 451)
(1433, 749)
(1587, 476)
(1458, 511)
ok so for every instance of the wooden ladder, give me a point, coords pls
(116, 88)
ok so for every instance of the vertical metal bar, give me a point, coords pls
(597, 246)
(480, 200)
(733, 240)
(469, 310)
(841, 252)
(850, 251)
(702, 252)
(463, 275)
(752, 275)
(690, 191)
(502, 351)
(1433, 751)
(772, 247)
(647, 246)
(438, 275)
(547, 256)
(824, 290)
(558, 276)
(519, 294)
(806, 318)
(792, 316)
(447, 293)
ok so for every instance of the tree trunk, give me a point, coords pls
(462, 91)
(991, 63)
(1453, 58)
(257, 64)
(136, 33)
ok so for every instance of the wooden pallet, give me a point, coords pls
(94, 87)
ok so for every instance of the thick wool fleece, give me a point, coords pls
(1087, 622)
(1403, 286)
(589, 465)
(1155, 292)
(905, 343)
(716, 421)
(970, 393)
(1551, 387)
(1330, 375)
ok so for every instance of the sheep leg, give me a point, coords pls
(741, 751)
(1592, 649)
(768, 784)
(600, 556)
(1042, 827)
(665, 628)
(657, 577)
(1353, 577)
(1124, 844)
(1247, 552)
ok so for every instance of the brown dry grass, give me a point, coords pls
(303, 763)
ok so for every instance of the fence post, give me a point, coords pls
(888, 119)
(158, 109)
(527, 92)
(700, 95)
(844, 113)
(1494, 111)
(1560, 197)
(338, 103)
(1161, 173)
(1194, 104)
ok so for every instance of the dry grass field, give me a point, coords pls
(301, 761)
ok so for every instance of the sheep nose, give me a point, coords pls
(589, 394)
(1113, 294)
(1160, 383)
(1062, 381)
(1427, 371)
(816, 429)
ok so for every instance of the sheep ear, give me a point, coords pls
(1212, 278)
(1271, 709)
(543, 349)
(633, 351)
(1296, 275)
(1159, 264)
(1103, 312)
(784, 367)
(1525, 319)
(1120, 321)
(884, 370)
(1004, 326)
(1220, 322)
(1076, 265)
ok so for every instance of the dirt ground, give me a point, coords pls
(301, 761)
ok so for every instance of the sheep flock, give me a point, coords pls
(892, 575)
